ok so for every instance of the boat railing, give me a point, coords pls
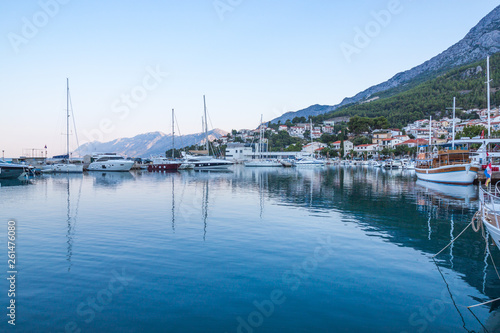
(490, 203)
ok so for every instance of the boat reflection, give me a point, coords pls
(467, 193)
(111, 179)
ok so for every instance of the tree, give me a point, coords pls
(238, 139)
(294, 147)
(380, 123)
(177, 153)
(307, 134)
(327, 138)
(470, 131)
(358, 125)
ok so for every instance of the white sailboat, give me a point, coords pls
(207, 162)
(261, 162)
(66, 167)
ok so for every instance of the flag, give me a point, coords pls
(487, 173)
(482, 134)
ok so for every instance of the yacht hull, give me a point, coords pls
(67, 168)
(111, 166)
(11, 171)
(461, 174)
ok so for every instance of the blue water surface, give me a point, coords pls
(252, 250)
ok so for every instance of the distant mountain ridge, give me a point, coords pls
(147, 144)
(481, 41)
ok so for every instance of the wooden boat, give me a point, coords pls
(447, 167)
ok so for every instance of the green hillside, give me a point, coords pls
(432, 97)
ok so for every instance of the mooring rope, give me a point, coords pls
(467, 227)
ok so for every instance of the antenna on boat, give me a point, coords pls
(488, 93)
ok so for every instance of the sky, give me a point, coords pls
(129, 63)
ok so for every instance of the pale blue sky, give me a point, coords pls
(261, 57)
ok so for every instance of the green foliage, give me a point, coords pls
(470, 131)
(298, 120)
(282, 139)
(358, 125)
(361, 140)
(404, 150)
(238, 139)
(177, 153)
(294, 147)
(328, 138)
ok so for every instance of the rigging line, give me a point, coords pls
(451, 296)
(479, 321)
(74, 124)
(179, 131)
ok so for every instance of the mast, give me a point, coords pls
(206, 126)
(488, 93)
(261, 137)
(453, 137)
(430, 133)
(173, 132)
(311, 132)
(67, 119)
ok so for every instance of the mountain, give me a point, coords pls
(147, 144)
(481, 41)
(433, 97)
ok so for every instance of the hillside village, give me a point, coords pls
(338, 137)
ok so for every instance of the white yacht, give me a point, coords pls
(264, 163)
(207, 163)
(309, 161)
(110, 162)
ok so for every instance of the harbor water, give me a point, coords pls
(337, 249)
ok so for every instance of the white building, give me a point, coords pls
(312, 147)
(370, 148)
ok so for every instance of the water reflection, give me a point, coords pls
(15, 182)
(111, 179)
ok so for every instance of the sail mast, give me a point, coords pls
(67, 119)
(206, 126)
(430, 132)
(261, 138)
(453, 137)
(173, 132)
(488, 91)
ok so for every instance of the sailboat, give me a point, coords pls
(445, 166)
(67, 167)
(163, 163)
(309, 160)
(262, 162)
(207, 162)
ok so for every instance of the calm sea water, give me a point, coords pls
(252, 250)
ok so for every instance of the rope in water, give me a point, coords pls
(467, 227)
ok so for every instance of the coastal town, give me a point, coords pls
(335, 137)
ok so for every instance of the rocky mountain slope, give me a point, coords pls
(147, 144)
